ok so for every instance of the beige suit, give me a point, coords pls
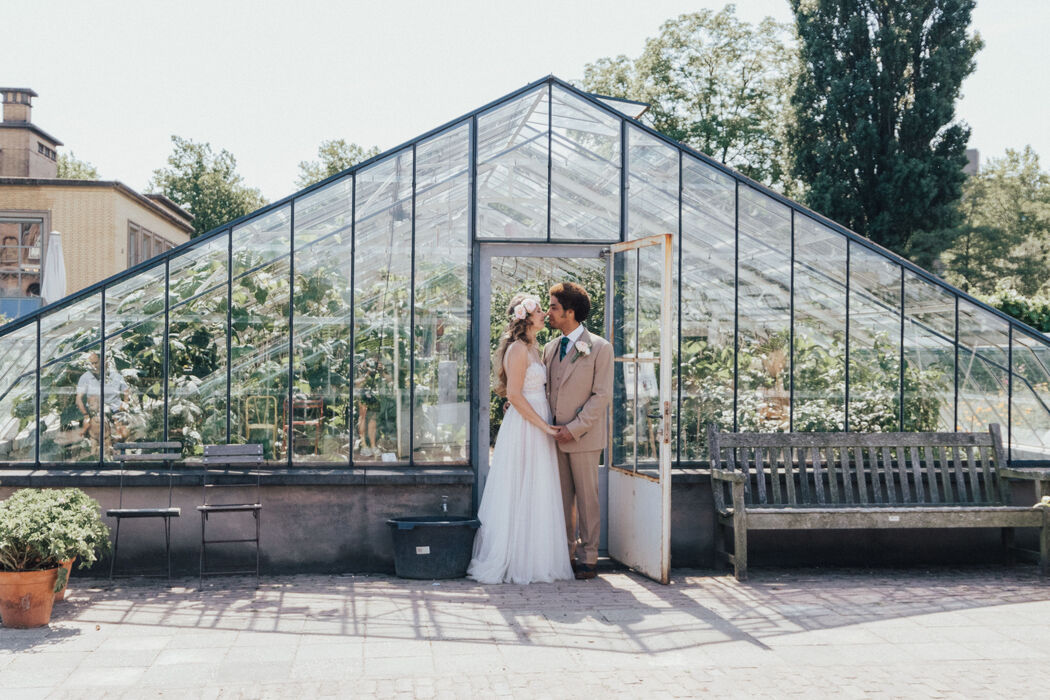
(579, 388)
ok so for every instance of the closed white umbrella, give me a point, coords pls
(54, 273)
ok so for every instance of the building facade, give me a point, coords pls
(106, 226)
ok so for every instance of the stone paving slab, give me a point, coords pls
(786, 633)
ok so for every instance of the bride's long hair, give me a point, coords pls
(517, 329)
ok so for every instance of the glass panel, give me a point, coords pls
(197, 371)
(1030, 431)
(323, 302)
(585, 170)
(929, 356)
(261, 240)
(625, 385)
(512, 168)
(650, 299)
(820, 328)
(874, 342)
(707, 303)
(382, 288)
(71, 406)
(199, 269)
(70, 328)
(18, 395)
(259, 359)
(135, 385)
(442, 298)
(652, 195)
(763, 392)
(324, 212)
(983, 379)
(133, 300)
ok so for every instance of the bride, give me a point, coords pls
(522, 533)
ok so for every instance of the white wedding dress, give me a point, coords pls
(522, 533)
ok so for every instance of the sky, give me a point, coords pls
(268, 81)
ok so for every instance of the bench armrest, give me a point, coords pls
(1040, 475)
(724, 475)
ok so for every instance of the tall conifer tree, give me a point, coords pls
(874, 136)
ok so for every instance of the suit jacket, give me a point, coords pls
(579, 389)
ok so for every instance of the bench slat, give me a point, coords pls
(888, 476)
(916, 473)
(789, 479)
(797, 455)
(833, 477)
(818, 474)
(777, 472)
(150, 457)
(957, 470)
(760, 474)
(944, 468)
(991, 483)
(977, 489)
(854, 439)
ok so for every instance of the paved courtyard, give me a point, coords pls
(787, 632)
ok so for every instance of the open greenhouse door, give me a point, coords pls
(639, 292)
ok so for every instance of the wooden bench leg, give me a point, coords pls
(1007, 534)
(740, 548)
(1044, 545)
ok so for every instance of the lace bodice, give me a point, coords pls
(535, 378)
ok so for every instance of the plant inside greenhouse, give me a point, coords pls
(343, 325)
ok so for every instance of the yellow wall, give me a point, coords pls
(93, 220)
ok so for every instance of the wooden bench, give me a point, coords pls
(801, 481)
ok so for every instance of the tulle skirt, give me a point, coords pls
(522, 534)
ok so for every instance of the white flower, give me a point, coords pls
(582, 348)
(526, 307)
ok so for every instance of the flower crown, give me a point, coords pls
(525, 308)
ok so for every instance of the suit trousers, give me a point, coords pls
(579, 486)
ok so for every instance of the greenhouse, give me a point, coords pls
(350, 324)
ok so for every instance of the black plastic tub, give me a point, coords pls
(433, 546)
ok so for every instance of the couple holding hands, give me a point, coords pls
(543, 481)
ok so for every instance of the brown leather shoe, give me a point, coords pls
(585, 571)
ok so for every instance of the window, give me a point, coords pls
(143, 244)
(45, 151)
(20, 257)
(19, 265)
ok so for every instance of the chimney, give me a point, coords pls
(18, 103)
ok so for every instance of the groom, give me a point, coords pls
(579, 385)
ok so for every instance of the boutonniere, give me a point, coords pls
(582, 348)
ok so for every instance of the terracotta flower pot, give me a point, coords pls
(26, 597)
(60, 594)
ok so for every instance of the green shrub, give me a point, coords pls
(40, 528)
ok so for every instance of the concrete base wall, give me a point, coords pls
(341, 528)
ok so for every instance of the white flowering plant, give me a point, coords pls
(41, 528)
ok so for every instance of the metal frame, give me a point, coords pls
(475, 282)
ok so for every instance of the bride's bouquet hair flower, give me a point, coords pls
(526, 307)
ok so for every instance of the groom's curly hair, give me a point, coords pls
(572, 296)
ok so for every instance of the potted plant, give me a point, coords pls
(39, 530)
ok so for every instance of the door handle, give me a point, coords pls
(666, 428)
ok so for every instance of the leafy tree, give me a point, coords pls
(70, 168)
(714, 82)
(205, 183)
(335, 156)
(1005, 235)
(874, 134)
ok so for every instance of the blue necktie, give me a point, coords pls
(564, 347)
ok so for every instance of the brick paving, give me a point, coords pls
(786, 633)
